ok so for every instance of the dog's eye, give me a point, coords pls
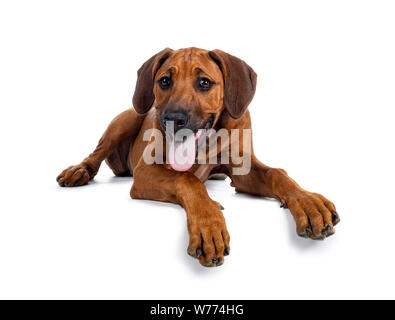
(204, 84)
(164, 82)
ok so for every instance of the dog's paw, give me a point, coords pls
(74, 176)
(315, 216)
(208, 237)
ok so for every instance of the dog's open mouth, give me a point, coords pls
(182, 149)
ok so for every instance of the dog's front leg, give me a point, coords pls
(208, 236)
(314, 215)
(124, 125)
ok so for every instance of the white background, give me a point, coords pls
(323, 111)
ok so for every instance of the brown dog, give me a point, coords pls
(197, 89)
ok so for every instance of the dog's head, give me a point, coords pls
(192, 87)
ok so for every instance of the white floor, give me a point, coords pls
(96, 242)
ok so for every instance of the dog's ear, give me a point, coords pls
(239, 82)
(143, 97)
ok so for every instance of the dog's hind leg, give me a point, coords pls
(113, 146)
(118, 159)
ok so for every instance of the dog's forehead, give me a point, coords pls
(187, 61)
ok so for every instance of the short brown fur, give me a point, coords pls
(122, 147)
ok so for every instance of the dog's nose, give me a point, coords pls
(179, 118)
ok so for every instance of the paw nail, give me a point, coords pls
(219, 260)
(308, 230)
(321, 237)
(227, 251)
(330, 233)
(327, 229)
(336, 218)
(61, 184)
(198, 252)
(214, 259)
(330, 230)
(221, 207)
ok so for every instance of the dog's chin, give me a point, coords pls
(182, 154)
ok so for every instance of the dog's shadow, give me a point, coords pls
(96, 183)
(300, 244)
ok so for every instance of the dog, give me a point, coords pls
(197, 89)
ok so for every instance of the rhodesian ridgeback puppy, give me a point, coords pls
(198, 90)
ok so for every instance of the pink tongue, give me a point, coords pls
(182, 154)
